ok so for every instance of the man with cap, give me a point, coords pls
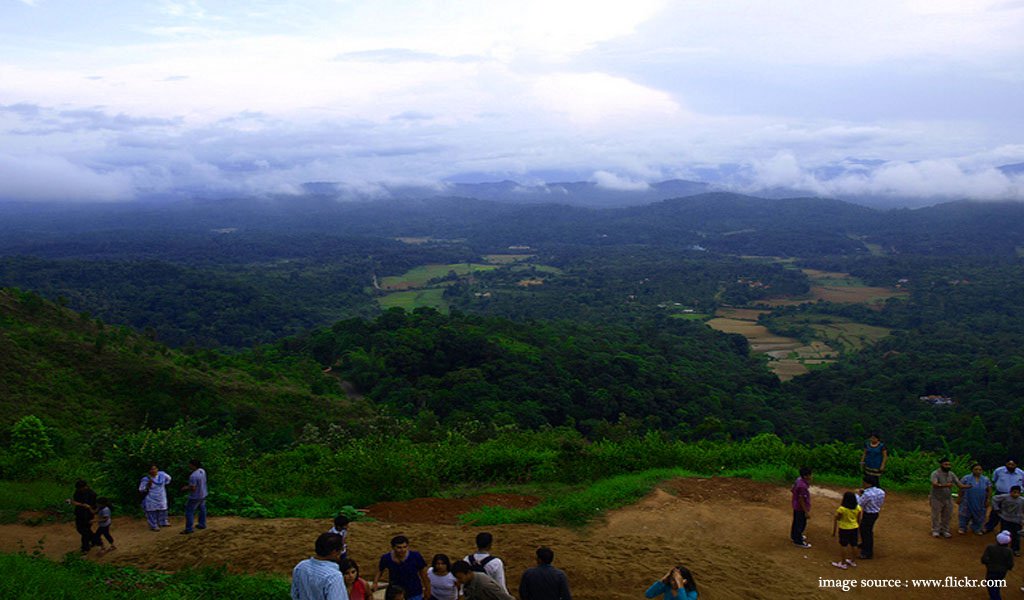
(998, 560)
(1003, 479)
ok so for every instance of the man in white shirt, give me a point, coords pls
(1003, 478)
(318, 577)
(870, 500)
(483, 561)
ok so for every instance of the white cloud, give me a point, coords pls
(612, 181)
(253, 96)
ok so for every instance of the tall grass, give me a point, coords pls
(24, 577)
(19, 496)
(316, 480)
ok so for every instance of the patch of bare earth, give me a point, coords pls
(732, 533)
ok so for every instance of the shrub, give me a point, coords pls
(129, 456)
(30, 441)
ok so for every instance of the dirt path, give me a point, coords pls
(732, 533)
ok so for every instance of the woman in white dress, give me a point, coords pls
(153, 491)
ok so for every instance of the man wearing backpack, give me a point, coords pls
(483, 562)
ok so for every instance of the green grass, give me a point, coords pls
(17, 496)
(849, 335)
(537, 268)
(419, 276)
(576, 507)
(838, 282)
(690, 316)
(413, 299)
(24, 577)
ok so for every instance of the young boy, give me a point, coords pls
(341, 528)
(1011, 514)
(104, 522)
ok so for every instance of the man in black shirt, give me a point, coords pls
(544, 582)
(84, 502)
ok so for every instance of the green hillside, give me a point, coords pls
(82, 376)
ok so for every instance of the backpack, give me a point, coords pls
(479, 566)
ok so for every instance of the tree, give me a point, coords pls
(30, 441)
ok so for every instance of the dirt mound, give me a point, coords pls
(732, 533)
(444, 511)
(714, 488)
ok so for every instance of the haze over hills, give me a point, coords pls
(875, 183)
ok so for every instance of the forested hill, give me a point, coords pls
(725, 222)
(667, 373)
(83, 377)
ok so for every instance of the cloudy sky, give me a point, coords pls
(120, 99)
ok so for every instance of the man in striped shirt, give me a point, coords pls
(318, 577)
(870, 499)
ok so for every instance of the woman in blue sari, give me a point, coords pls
(973, 500)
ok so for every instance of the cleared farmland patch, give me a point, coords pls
(786, 355)
(413, 299)
(421, 276)
(841, 288)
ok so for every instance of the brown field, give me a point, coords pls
(837, 287)
(529, 282)
(781, 350)
(744, 314)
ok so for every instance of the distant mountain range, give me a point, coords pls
(716, 221)
(617, 194)
(571, 193)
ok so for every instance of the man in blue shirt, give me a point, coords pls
(318, 577)
(1003, 479)
(406, 568)
(197, 492)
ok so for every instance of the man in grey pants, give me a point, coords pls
(941, 498)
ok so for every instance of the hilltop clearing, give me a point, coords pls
(732, 533)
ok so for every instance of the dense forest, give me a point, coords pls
(266, 319)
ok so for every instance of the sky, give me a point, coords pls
(114, 100)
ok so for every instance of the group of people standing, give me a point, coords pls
(981, 504)
(998, 496)
(88, 507)
(331, 575)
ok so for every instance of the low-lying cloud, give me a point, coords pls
(92, 154)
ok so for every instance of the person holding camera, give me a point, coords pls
(677, 584)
